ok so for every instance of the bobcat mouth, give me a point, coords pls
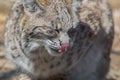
(56, 49)
(53, 49)
(63, 48)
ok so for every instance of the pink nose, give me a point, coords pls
(64, 47)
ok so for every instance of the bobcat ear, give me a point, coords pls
(31, 6)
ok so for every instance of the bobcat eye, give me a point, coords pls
(50, 32)
(58, 30)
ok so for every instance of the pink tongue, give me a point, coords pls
(64, 47)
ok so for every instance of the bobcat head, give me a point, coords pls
(44, 29)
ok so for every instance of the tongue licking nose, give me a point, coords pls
(64, 47)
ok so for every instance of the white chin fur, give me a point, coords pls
(51, 52)
(48, 44)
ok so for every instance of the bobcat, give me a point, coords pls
(60, 39)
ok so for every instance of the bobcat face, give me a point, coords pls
(41, 34)
(46, 26)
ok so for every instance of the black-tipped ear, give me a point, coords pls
(31, 6)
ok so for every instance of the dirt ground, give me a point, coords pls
(8, 70)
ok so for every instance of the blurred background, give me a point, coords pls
(7, 70)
